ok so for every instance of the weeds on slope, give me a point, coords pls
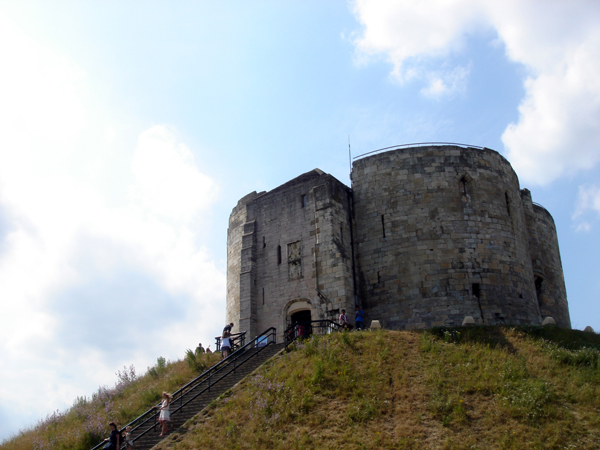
(85, 424)
(516, 387)
(334, 391)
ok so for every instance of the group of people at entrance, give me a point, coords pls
(359, 319)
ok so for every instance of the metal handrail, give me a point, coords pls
(237, 340)
(269, 335)
(304, 329)
(257, 343)
(419, 144)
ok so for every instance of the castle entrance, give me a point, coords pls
(301, 316)
(301, 323)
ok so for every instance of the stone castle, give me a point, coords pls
(426, 236)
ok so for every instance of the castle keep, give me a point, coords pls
(426, 236)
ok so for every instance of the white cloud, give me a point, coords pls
(99, 234)
(413, 34)
(557, 42)
(446, 83)
(167, 181)
(588, 202)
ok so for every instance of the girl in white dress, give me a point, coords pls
(165, 415)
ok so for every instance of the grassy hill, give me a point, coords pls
(474, 388)
(86, 423)
(461, 388)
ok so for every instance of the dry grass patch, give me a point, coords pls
(85, 424)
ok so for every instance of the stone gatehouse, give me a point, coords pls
(426, 236)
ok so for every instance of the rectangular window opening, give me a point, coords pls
(383, 225)
(303, 201)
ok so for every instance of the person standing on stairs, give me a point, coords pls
(165, 415)
(225, 343)
(113, 441)
(128, 438)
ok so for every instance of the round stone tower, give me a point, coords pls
(545, 261)
(440, 235)
(426, 236)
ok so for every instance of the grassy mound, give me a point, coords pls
(462, 388)
(85, 424)
(446, 388)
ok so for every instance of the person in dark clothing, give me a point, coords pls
(114, 440)
(359, 318)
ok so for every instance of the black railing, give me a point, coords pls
(302, 330)
(237, 340)
(419, 144)
(209, 378)
(540, 206)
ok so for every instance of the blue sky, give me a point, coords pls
(129, 130)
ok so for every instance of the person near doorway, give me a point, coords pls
(359, 318)
(344, 321)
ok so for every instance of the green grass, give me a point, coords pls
(459, 388)
(445, 388)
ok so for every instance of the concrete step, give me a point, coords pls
(248, 363)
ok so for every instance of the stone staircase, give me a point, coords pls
(196, 395)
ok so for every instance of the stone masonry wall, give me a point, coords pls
(237, 219)
(440, 234)
(295, 253)
(545, 259)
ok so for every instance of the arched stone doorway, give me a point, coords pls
(298, 314)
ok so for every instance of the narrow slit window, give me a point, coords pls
(463, 186)
(342, 233)
(279, 254)
(303, 201)
(539, 281)
(264, 242)
(383, 225)
(263, 292)
(507, 203)
(476, 290)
